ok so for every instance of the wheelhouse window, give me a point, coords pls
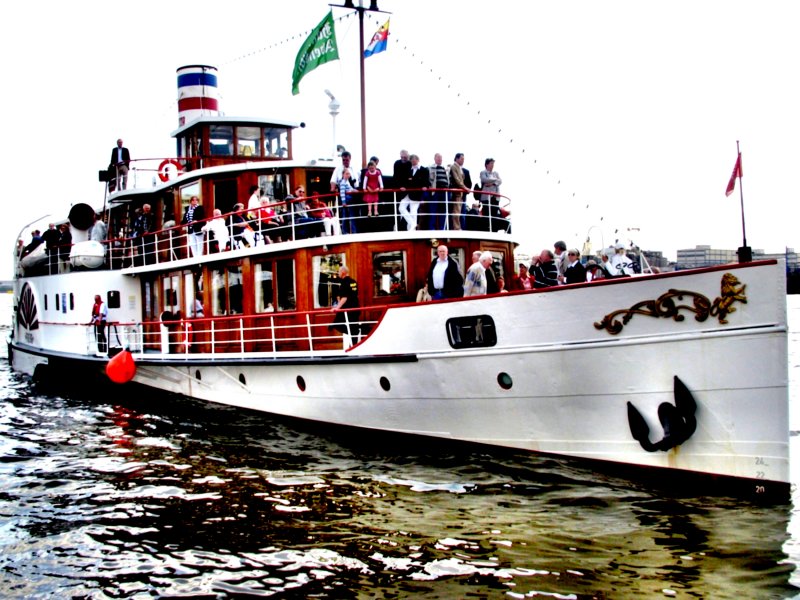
(276, 142)
(326, 277)
(226, 291)
(274, 289)
(221, 140)
(248, 141)
(389, 273)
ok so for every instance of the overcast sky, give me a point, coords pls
(618, 119)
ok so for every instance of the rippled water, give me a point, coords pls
(146, 495)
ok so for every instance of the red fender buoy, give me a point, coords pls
(164, 170)
(121, 368)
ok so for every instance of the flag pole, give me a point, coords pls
(745, 253)
(361, 9)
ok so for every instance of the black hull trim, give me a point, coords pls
(194, 361)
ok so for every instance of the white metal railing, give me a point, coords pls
(302, 333)
(240, 229)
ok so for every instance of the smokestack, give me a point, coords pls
(197, 93)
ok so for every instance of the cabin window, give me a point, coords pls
(389, 273)
(274, 288)
(149, 305)
(72, 301)
(221, 140)
(326, 278)
(45, 301)
(249, 141)
(226, 291)
(276, 185)
(276, 142)
(170, 287)
(192, 285)
(471, 332)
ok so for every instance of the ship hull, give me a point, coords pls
(554, 377)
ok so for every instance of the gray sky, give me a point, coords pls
(603, 117)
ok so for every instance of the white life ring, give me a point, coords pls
(167, 166)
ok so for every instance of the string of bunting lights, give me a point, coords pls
(404, 47)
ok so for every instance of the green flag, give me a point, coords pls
(319, 48)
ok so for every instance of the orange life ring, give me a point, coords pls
(163, 168)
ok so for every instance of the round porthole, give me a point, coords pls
(301, 383)
(504, 381)
(385, 384)
(197, 375)
(242, 380)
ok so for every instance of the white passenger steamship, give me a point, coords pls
(682, 373)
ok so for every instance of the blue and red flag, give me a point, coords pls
(379, 41)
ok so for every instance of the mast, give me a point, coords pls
(745, 253)
(373, 7)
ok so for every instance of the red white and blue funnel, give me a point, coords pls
(197, 93)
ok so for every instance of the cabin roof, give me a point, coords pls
(220, 120)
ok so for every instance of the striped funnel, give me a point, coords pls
(197, 93)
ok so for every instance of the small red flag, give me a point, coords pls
(737, 172)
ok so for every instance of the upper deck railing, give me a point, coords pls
(290, 220)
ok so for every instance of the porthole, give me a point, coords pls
(504, 381)
(385, 384)
(301, 383)
(242, 379)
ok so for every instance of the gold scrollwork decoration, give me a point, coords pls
(669, 305)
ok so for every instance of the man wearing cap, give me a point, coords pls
(620, 263)
(523, 281)
(605, 255)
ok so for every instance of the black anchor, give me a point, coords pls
(677, 420)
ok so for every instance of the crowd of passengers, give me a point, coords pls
(438, 194)
(551, 268)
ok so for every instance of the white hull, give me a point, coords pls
(552, 383)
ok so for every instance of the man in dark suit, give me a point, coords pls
(118, 165)
(400, 173)
(444, 276)
(417, 180)
(575, 271)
